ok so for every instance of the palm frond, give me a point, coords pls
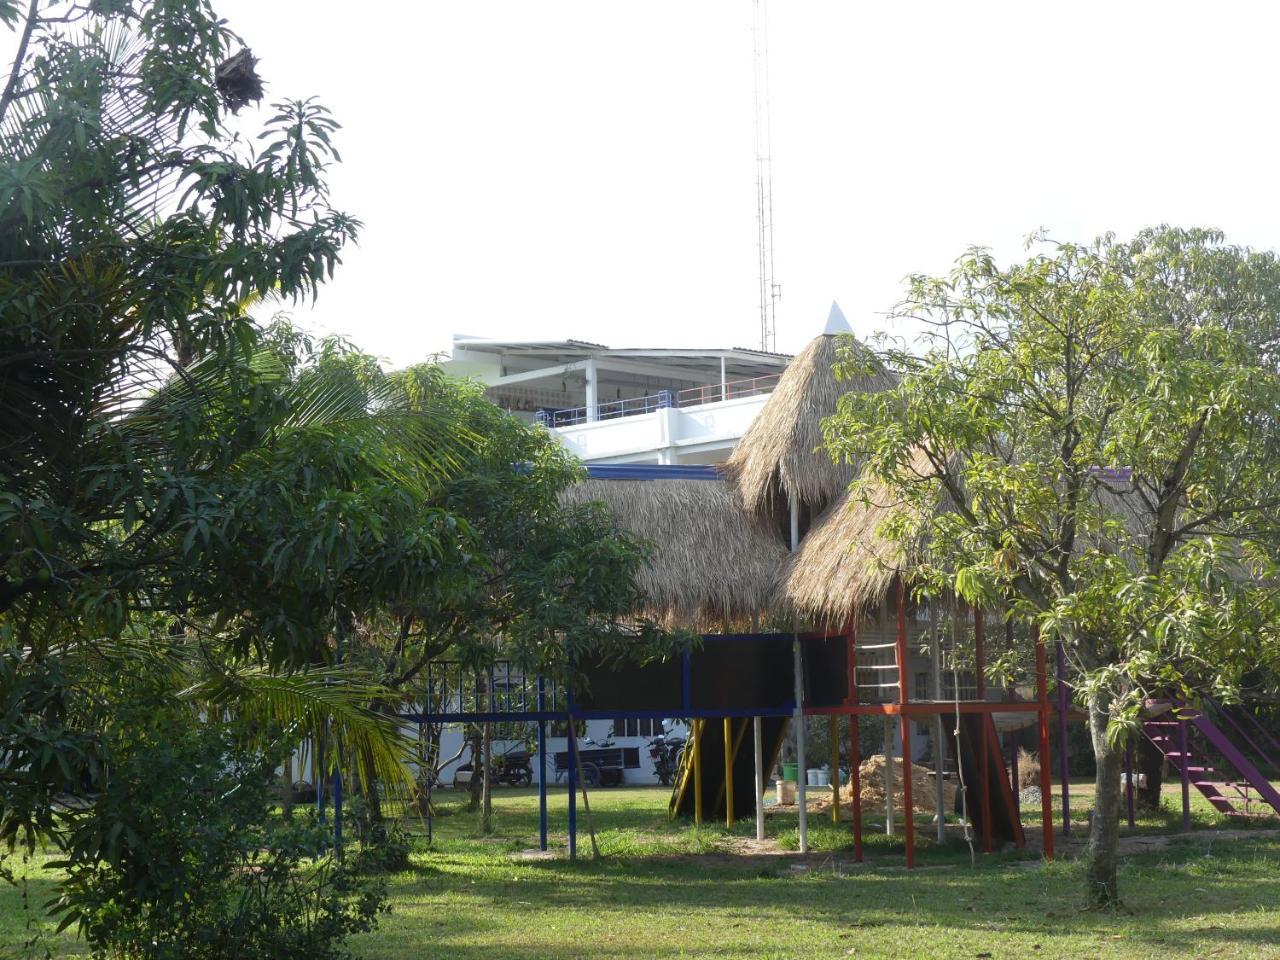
(326, 704)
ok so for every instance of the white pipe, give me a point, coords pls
(798, 669)
(757, 729)
(722, 380)
(939, 752)
(888, 776)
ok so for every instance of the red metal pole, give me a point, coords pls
(1046, 800)
(855, 775)
(984, 755)
(908, 811)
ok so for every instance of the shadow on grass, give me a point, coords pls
(1174, 897)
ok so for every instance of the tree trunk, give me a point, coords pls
(1151, 765)
(486, 806)
(372, 799)
(286, 800)
(1104, 832)
(476, 784)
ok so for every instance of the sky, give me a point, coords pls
(586, 168)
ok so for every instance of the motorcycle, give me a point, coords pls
(664, 751)
(513, 768)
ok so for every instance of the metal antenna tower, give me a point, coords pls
(770, 291)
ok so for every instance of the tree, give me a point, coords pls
(1089, 438)
(176, 484)
(544, 585)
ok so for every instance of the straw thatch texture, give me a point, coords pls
(846, 563)
(780, 458)
(711, 565)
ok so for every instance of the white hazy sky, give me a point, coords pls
(586, 169)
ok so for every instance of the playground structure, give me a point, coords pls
(777, 536)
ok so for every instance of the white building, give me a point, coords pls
(663, 406)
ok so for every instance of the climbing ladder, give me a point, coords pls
(877, 671)
(1241, 795)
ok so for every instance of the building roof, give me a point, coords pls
(553, 352)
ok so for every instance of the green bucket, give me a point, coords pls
(790, 771)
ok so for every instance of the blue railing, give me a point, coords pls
(609, 410)
(634, 406)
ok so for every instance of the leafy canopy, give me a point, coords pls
(1091, 437)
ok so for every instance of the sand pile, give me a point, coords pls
(871, 772)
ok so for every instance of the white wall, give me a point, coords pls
(670, 435)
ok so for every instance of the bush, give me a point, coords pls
(180, 858)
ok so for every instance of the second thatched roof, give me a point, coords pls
(780, 458)
(846, 563)
(711, 565)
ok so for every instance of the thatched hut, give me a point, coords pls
(711, 565)
(780, 459)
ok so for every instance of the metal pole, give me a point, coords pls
(573, 789)
(1064, 757)
(1186, 776)
(855, 756)
(757, 730)
(542, 766)
(939, 749)
(802, 800)
(697, 772)
(728, 771)
(1046, 785)
(833, 736)
(888, 775)
(980, 682)
(1128, 782)
(908, 811)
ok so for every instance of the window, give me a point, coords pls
(922, 693)
(637, 728)
(967, 689)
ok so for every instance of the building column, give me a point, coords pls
(593, 393)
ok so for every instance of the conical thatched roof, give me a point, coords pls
(711, 564)
(780, 458)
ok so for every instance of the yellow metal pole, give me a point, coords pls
(833, 732)
(728, 772)
(697, 772)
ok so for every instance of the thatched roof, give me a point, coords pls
(780, 458)
(845, 564)
(711, 564)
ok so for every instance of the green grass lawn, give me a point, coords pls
(667, 890)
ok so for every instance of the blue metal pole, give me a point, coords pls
(573, 790)
(573, 778)
(542, 767)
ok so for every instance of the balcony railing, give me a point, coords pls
(634, 406)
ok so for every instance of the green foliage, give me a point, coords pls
(1089, 438)
(1156, 355)
(178, 858)
(543, 585)
(183, 496)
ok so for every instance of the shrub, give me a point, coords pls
(180, 858)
